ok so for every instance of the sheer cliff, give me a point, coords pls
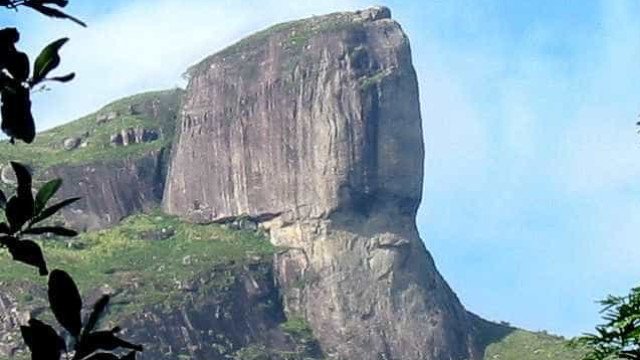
(313, 128)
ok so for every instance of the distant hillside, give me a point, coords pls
(107, 134)
(526, 345)
(115, 158)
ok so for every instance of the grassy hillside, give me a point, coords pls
(142, 259)
(131, 112)
(526, 345)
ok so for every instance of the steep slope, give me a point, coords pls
(194, 291)
(313, 127)
(200, 292)
(115, 159)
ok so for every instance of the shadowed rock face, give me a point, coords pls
(313, 127)
(112, 190)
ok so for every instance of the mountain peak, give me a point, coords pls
(313, 129)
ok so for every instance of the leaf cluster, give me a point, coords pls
(619, 336)
(50, 8)
(17, 80)
(24, 214)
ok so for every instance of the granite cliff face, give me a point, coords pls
(114, 159)
(313, 129)
(111, 190)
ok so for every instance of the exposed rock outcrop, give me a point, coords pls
(112, 181)
(71, 143)
(110, 190)
(219, 313)
(214, 323)
(316, 126)
(132, 136)
(104, 118)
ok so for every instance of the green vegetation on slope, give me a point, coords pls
(48, 150)
(145, 258)
(525, 345)
(299, 331)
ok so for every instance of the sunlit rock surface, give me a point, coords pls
(314, 129)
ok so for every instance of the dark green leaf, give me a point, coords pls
(55, 230)
(48, 60)
(65, 301)
(42, 340)
(45, 193)
(8, 240)
(53, 13)
(9, 35)
(61, 3)
(104, 340)
(63, 78)
(3, 200)
(23, 175)
(17, 64)
(46, 213)
(98, 311)
(17, 119)
(18, 212)
(28, 252)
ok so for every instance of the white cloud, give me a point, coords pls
(600, 149)
(532, 147)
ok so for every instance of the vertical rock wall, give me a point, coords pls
(313, 127)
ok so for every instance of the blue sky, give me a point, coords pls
(532, 200)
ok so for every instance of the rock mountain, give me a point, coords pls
(310, 131)
(314, 128)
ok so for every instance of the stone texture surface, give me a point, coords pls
(111, 190)
(208, 321)
(131, 136)
(112, 187)
(313, 128)
(330, 125)
(71, 143)
(211, 323)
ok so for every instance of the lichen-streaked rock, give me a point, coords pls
(301, 129)
(314, 128)
(131, 136)
(110, 190)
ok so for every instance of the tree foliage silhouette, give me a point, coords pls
(619, 336)
(26, 214)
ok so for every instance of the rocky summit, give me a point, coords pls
(265, 212)
(314, 129)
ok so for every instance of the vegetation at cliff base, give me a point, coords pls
(619, 335)
(526, 345)
(146, 259)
